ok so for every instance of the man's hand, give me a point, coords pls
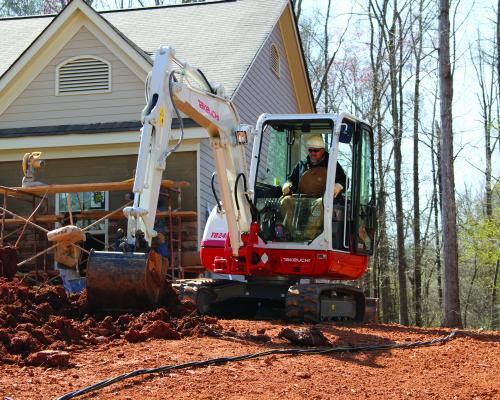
(337, 189)
(287, 188)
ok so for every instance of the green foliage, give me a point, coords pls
(479, 250)
(480, 238)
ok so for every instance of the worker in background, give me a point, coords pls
(309, 178)
(67, 255)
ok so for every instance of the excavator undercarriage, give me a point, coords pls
(271, 299)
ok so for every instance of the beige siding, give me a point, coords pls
(39, 106)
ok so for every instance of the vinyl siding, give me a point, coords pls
(39, 106)
(261, 91)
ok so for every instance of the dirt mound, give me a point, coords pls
(38, 324)
(34, 320)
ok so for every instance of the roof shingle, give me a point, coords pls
(221, 38)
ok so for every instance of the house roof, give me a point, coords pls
(16, 34)
(221, 38)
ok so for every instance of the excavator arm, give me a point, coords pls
(171, 91)
(136, 280)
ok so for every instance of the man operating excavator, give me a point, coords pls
(308, 178)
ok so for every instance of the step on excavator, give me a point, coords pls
(285, 233)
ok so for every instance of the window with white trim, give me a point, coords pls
(83, 75)
(275, 60)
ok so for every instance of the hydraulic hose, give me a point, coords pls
(224, 360)
(207, 82)
(219, 208)
(253, 209)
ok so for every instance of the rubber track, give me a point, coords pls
(303, 302)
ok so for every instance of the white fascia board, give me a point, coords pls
(94, 139)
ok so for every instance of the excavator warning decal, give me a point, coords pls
(162, 115)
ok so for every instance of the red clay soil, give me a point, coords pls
(98, 348)
(45, 318)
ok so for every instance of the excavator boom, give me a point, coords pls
(118, 280)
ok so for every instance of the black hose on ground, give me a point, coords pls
(224, 360)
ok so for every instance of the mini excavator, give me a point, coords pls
(292, 251)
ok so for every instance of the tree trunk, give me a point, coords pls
(326, 57)
(495, 318)
(498, 51)
(383, 247)
(452, 317)
(393, 74)
(436, 202)
(470, 289)
(381, 277)
(486, 100)
(417, 274)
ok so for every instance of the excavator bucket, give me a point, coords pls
(125, 282)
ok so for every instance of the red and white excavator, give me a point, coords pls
(262, 248)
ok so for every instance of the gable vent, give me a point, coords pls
(83, 74)
(275, 60)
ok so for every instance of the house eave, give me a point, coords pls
(84, 129)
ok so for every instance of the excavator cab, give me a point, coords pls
(296, 216)
(331, 205)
